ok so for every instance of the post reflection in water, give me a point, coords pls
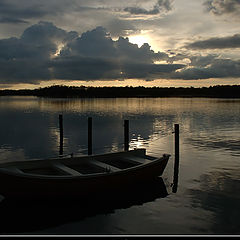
(176, 162)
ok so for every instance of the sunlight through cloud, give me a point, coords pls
(139, 39)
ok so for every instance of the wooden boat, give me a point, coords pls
(72, 176)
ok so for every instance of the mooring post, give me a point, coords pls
(126, 135)
(176, 163)
(89, 136)
(61, 134)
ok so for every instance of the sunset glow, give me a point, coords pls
(59, 48)
(139, 39)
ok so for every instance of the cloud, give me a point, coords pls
(104, 69)
(121, 27)
(159, 7)
(11, 20)
(150, 71)
(202, 61)
(217, 43)
(137, 10)
(75, 15)
(13, 10)
(45, 52)
(38, 41)
(95, 43)
(92, 56)
(217, 68)
(23, 71)
(26, 59)
(131, 52)
(176, 57)
(165, 4)
(222, 7)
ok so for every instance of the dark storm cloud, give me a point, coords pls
(98, 68)
(13, 10)
(38, 41)
(176, 57)
(137, 10)
(217, 68)
(11, 20)
(159, 7)
(92, 56)
(149, 71)
(221, 7)
(75, 13)
(95, 55)
(46, 33)
(132, 52)
(84, 68)
(96, 43)
(202, 61)
(26, 59)
(23, 71)
(217, 43)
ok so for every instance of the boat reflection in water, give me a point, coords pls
(22, 215)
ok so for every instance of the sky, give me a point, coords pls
(164, 43)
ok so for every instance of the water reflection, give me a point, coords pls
(19, 216)
(175, 176)
(219, 193)
(38, 133)
(209, 153)
(216, 142)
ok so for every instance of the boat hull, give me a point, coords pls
(34, 186)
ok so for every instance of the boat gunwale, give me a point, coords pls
(71, 158)
(83, 176)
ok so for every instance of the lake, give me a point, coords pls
(207, 197)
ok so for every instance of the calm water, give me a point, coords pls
(208, 193)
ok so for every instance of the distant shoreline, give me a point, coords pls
(60, 91)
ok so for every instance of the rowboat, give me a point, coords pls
(79, 175)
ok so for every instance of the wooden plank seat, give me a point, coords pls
(64, 169)
(15, 169)
(138, 159)
(105, 166)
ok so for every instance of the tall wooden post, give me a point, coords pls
(176, 163)
(126, 135)
(89, 136)
(61, 134)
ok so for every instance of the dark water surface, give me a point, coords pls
(207, 200)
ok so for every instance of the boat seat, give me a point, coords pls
(16, 170)
(64, 169)
(104, 165)
(138, 159)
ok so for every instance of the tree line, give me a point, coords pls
(219, 91)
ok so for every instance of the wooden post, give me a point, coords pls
(126, 135)
(61, 134)
(89, 136)
(176, 163)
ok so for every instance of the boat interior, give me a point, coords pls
(77, 166)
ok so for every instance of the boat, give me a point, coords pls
(79, 175)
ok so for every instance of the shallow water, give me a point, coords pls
(208, 192)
